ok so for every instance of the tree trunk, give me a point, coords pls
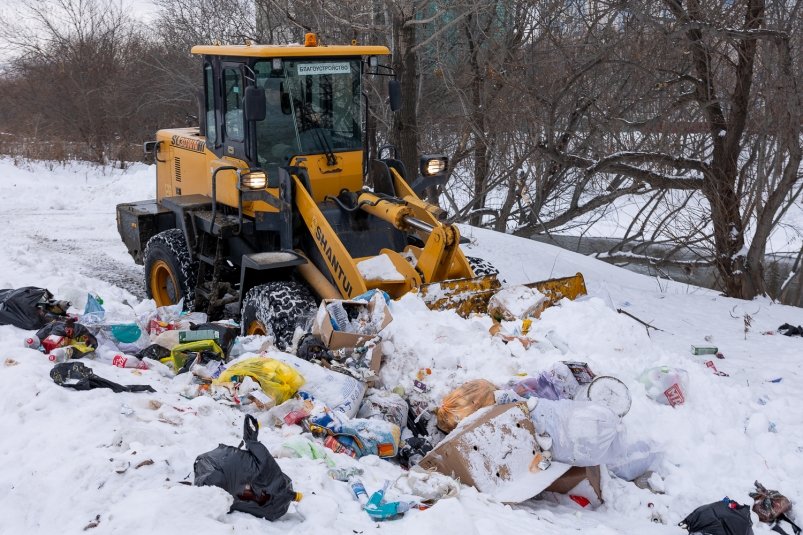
(738, 279)
(404, 134)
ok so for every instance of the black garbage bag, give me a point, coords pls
(79, 376)
(413, 450)
(719, 518)
(68, 328)
(227, 334)
(154, 351)
(790, 330)
(30, 307)
(251, 475)
(784, 525)
(311, 349)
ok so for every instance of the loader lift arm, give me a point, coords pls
(440, 258)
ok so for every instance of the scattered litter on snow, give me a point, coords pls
(94, 446)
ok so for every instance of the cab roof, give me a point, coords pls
(294, 51)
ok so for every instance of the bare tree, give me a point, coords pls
(77, 73)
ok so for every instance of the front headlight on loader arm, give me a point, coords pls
(433, 164)
(253, 179)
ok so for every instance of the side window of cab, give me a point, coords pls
(233, 101)
(211, 119)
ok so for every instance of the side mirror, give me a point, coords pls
(394, 92)
(254, 107)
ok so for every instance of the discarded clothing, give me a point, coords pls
(81, 377)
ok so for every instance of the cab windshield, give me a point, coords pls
(313, 107)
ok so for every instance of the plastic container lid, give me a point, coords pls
(607, 391)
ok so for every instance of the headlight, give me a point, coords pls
(433, 165)
(256, 179)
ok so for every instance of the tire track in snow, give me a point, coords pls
(90, 261)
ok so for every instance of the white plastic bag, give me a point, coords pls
(582, 431)
(665, 384)
(630, 460)
(386, 406)
(338, 391)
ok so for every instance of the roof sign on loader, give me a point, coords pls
(308, 69)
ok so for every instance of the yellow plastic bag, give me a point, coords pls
(277, 379)
(178, 355)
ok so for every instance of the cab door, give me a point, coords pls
(234, 129)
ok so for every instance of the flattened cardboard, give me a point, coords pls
(492, 451)
(322, 326)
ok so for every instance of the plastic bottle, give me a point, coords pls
(358, 489)
(33, 342)
(376, 498)
(122, 361)
(338, 315)
(61, 354)
(422, 373)
(378, 509)
(655, 516)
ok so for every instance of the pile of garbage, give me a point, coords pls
(551, 432)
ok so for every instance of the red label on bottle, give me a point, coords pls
(119, 361)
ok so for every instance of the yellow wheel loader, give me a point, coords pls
(271, 202)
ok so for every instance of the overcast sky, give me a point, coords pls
(142, 9)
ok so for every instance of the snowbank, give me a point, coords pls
(68, 456)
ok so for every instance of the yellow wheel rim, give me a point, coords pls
(256, 327)
(164, 284)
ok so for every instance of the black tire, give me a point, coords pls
(481, 267)
(168, 252)
(276, 309)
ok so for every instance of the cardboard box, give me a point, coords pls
(576, 475)
(493, 451)
(322, 326)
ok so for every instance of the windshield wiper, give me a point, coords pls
(331, 161)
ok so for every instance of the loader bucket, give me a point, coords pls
(471, 296)
(465, 296)
(557, 289)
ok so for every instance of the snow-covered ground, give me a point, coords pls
(68, 458)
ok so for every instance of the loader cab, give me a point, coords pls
(300, 109)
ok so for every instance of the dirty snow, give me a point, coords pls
(69, 458)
